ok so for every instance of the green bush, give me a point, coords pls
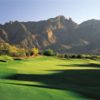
(66, 56)
(49, 52)
(73, 56)
(79, 56)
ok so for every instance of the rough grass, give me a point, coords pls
(50, 78)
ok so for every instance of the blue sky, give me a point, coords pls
(35, 10)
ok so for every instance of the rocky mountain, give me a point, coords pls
(59, 33)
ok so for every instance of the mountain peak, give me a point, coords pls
(57, 18)
(60, 17)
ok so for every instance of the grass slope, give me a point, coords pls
(50, 78)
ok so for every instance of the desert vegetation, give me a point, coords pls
(14, 51)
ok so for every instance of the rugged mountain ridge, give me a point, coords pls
(59, 33)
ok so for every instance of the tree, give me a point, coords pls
(79, 56)
(35, 51)
(73, 56)
(21, 51)
(13, 50)
(66, 56)
(49, 52)
(4, 48)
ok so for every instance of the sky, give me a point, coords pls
(35, 10)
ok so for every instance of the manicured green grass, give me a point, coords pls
(50, 78)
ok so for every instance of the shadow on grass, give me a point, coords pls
(84, 82)
(83, 65)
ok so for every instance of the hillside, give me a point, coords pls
(59, 33)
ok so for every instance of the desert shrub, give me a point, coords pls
(21, 52)
(27, 53)
(35, 51)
